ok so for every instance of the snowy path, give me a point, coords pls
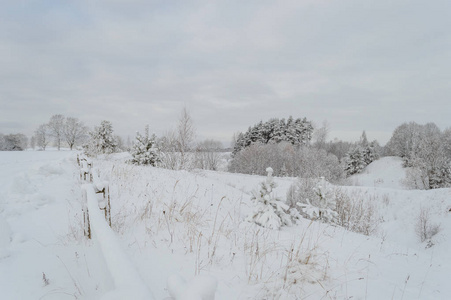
(40, 252)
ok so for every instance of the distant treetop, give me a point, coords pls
(297, 132)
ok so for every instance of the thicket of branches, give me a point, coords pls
(287, 160)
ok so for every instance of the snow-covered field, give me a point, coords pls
(179, 225)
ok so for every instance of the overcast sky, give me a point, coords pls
(360, 65)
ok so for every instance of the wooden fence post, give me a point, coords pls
(86, 224)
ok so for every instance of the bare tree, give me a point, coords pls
(320, 135)
(185, 137)
(74, 131)
(120, 143)
(56, 126)
(207, 155)
(168, 147)
(42, 136)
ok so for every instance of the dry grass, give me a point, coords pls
(357, 212)
(424, 228)
(178, 216)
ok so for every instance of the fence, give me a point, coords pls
(127, 281)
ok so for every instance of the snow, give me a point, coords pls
(127, 281)
(386, 172)
(200, 287)
(183, 235)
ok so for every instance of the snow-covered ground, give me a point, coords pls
(179, 225)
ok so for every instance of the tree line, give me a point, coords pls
(291, 147)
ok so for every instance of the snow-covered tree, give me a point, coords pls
(361, 155)
(42, 135)
(355, 161)
(101, 140)
(269, 211)
(339, 148)
(13, 142)
(297, 132)
(56, 128)
(426, 149)
(145, 150)
(186, 133)
(74, 131)
(320, 135)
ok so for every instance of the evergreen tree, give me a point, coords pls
(290, 131)
(274, 131)
(144, 150)
(355, 161)
(269, 212)
(322, 204)
(101, 140)
(361, 155)
(363, 140)
(255, 133)
(278, 134)
(239, 143)
(440, 177)
(303, 132)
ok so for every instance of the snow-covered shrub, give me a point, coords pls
(300, 190)
(321, 205)
(270, 211)
(316, 199)
(424, 228)
(144, 150)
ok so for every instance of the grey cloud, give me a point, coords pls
(359, 65)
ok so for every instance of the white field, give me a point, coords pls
(179, 223)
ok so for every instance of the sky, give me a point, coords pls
(359, 65)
